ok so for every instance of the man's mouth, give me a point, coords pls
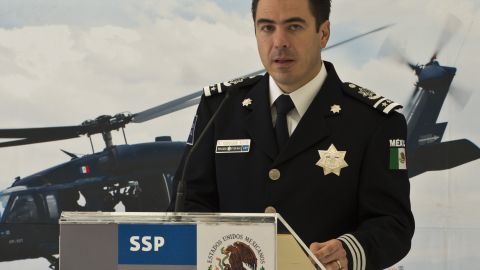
(283, 61)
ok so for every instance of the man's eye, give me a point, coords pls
(267, 28)
(295, 27)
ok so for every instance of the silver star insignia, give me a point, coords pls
(332, 160)
(247, 102)
(335, 108)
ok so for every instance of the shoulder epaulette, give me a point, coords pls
(369, 97)
(220, 88)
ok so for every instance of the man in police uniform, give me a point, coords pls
(328, 156)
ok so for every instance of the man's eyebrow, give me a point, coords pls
(260, 21)
(295, 19)
(290, 20)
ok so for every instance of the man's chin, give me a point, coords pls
(284, 81)
(281, 75)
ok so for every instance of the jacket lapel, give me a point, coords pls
(258, 120)
(313, 127)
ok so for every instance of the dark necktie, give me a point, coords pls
(283, 104)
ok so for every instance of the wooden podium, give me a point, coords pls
(178, 241)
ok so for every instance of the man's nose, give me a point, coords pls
(280, 39)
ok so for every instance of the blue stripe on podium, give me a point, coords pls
(157, 244)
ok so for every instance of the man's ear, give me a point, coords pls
(324, 33)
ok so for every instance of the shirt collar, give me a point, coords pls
(302, 97)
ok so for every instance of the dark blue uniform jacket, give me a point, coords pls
(367, 206)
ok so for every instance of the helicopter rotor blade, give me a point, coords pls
(39, 132)
(449, 31)
(36, 135)
(37, 138)
(359, 36)
(390, 50)
(101, 124)
(165, 108)
(22, 142)
(176, 104)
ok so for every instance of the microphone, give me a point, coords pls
(182, 184)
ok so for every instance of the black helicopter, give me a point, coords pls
(139, 176)
(425, 149)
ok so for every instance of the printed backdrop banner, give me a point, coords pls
(64, 62)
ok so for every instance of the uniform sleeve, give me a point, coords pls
(201, 195)
(386, 223)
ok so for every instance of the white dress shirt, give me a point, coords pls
(302, 98)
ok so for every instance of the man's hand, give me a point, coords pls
(331, 254)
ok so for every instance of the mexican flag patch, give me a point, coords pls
(85, 169)
(398, 158)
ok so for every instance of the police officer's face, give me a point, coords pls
(288, 42)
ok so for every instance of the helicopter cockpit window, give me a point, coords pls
(3, 204)
(23, 210)
(52, 207)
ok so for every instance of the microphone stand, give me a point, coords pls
(182, 184)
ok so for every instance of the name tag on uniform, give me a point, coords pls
(232, 146)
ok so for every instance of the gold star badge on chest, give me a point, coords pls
(247, 102)
(332, 160)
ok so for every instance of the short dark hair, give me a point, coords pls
(320, 10)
